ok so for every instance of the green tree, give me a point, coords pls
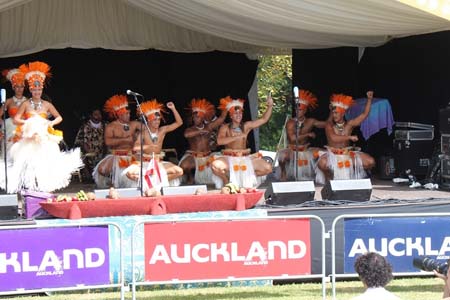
(275, 76)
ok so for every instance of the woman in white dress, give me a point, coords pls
(12, 104)
(35, 160)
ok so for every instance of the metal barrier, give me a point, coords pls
(370, 216)
(15, 260)
(227, 278)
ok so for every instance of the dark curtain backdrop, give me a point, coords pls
(85, 79)
(412, 72)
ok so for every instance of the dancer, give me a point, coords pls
(298, 131)
(120, 136)
(158, 173)
(17, 79)
(196, 162)
(237, 165)
(36, 162)
(342, 161)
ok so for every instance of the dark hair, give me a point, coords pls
(373, 269)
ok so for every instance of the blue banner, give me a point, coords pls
(400, 240)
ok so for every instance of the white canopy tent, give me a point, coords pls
(249, 26)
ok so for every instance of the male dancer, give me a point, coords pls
(237, 165)
(341, 161)
(299, 128)
(157, 173)
(120, 136)
(196, 162)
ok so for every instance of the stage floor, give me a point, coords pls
(381, 190)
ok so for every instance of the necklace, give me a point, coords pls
(300, 123)
(200, 128)
(126, 126)
(18, 101)
(339, 127)
(153, 136)
(236, 129)
(36, 106)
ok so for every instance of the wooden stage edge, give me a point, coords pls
(381, 190)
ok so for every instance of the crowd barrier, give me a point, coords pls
(400, 237)
(59, 257)
(225, 250)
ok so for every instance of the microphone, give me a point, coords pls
(3, 95)
(296, 97)
(130, 92)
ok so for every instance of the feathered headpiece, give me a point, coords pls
(116, 105)
(203, 108)
(229, 104)
(307, 100)
(35, 73)
(341, 102)
(152, 109)
(14, 76)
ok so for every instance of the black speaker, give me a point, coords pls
(123, 193)
(351, 189)
(290, 193)
(183, 190)
(9, 206)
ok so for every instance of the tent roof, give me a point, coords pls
(250, 26)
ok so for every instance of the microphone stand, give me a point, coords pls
(5, 155)
(296, 140)
(141, 154)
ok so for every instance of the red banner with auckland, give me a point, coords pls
(192, 251)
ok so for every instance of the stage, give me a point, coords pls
(399, 222)
(381, 190)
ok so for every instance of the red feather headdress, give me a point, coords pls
(307, 100)
(229, 104)
(35, 73)
(14, 76)
(203, 108)
(341, 102)
(116, 105)
(152, 109)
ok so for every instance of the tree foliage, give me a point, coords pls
(274, 75)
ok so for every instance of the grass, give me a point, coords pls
(407, 288)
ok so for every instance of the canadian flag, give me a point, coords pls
(152, 175)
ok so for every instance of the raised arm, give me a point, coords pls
(321, 124)
(178, 120)
(218, 121)
(264, 118)
(359, 119)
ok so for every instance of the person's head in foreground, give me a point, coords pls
(373, 270)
